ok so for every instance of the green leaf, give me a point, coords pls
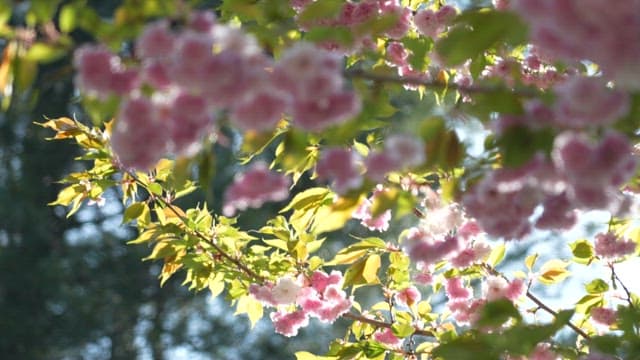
(418, 47)
(372, 349)
(44, 53)
(597, 286)
(584, 305)
(498, 312)
(68, 19)
(479, 31)
(519, 144)
(582, 251)
(133, 212)
(68, 194)
(465, 348)
(321, 9)
(307, 199)
(216, 284)
(363, 272)
(340, 34)
(155, 189)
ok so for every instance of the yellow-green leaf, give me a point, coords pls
(250, 306)
(496, 256)
(370, 271)
(553, 271)
(530, 261)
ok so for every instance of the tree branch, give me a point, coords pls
(539, 302)
(382, 324)
(438, 85)
(549, 310)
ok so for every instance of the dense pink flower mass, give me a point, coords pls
(595, 30)
(610, 246)
(594, 172)
(138, 119)
(204, 68)
(582, 174)
(604, 316)
(254, 187)
(341, 167)
(586, 101)
(101, 73)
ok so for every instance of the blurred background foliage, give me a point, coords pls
(72, 288)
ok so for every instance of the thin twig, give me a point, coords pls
(539, 302)
(438, 85)
(203, 237)
(382, 324)
(615, 277)
(546, 308)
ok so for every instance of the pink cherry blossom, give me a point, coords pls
(288, 323)
(341, 167)
(138, 119)
(156, 41)
(408, 296)
(610, 246)
(386, 336)
(604, 316)
(254, 187)
(285, 291)
(259, 110)
(456, 290)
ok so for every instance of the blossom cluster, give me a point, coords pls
(180, 80)
(581, 174)
(347, 169)
(254, 187)
(588, 30)
(465, 307)
(445, 233)
(320, 296)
